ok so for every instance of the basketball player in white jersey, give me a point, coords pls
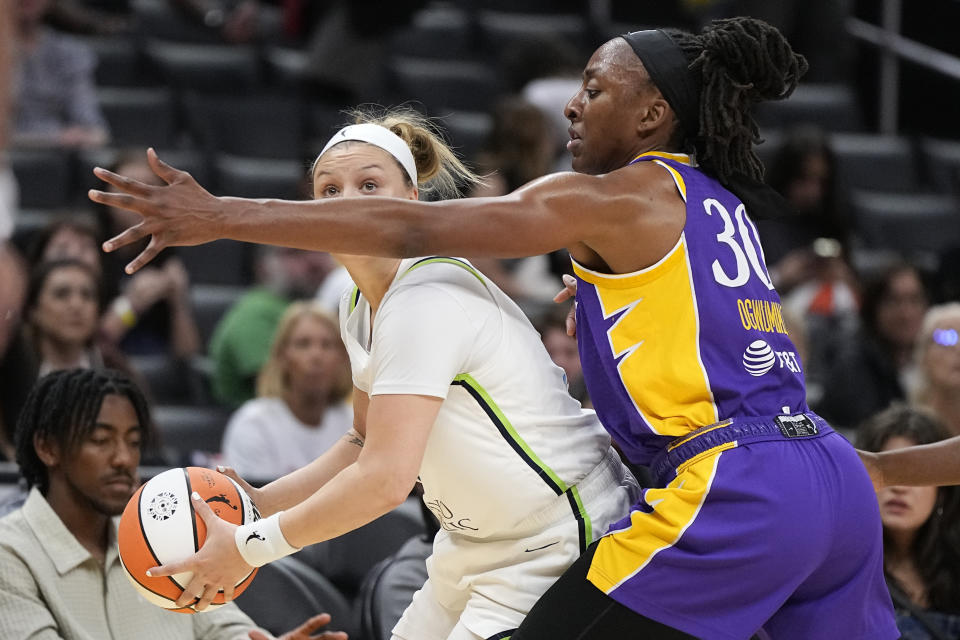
(454, 388)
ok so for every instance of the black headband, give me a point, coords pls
(670, 72)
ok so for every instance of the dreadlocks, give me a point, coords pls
(63, 407)
(741, 61)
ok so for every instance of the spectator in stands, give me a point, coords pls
(804, 171)
(79, 442)
(241, 341)
(236, 21)
(938, 364)
(300, 411)
(921, 532)
(874, 367)
(16, 363)
(8, 184)
(519, 148)
(562, 348)
(152, 314)
(55, 102)
(78, 16)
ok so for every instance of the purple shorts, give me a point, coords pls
(763, 524)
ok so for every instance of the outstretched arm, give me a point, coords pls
(548, 214)
(935, 464)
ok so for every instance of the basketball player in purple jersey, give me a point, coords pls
(763, 518)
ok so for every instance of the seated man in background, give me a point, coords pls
(78, 444)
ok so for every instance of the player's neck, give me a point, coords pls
(372, 275)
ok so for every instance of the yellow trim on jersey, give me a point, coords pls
(677, 179)
(677, 157)
(656, 337)
(696, 434)
(622, 554)
(632, 279)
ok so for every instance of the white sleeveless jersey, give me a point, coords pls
(509, 440)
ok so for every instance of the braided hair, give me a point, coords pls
(63, 407)
(741, 62)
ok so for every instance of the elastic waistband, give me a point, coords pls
(608, 473)
(801, 426)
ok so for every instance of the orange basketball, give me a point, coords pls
(159, 526)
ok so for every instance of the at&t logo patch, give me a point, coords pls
(758, 358)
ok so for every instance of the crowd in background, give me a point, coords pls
(878, 330)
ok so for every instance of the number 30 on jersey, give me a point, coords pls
(748, 256)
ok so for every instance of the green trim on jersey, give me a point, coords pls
(510, 434)
(453, 261)
(354, 298)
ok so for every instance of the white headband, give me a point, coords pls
(379, 137)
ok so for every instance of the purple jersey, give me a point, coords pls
(694, 339)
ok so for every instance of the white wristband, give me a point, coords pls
(262, 541)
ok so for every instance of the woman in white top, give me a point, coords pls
(454, 388)
(301, 407)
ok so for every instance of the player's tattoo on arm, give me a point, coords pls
(353, 437)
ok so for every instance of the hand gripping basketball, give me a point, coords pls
(218, 564)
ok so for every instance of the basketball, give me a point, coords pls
(159, 526)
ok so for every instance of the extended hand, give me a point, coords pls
(304, 630)
(179, 213)
(218, 565)
(255, 494)
(569, 291)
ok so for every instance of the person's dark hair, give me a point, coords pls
(42, 271)
(519, 128)
(876, 287)
(38, 245)
(741, 62)
(63, 407)
(936, 549)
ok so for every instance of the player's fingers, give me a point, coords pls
(572, 322)
(228, 590)
(164, 171)
(203, 509)
(230, 473)
(145, 256)
(209, 593)
(171, 568)
(314, 624)
(118, 200)
(131, 235)
(191, 593)
(123, 183)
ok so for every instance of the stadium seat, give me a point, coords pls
(186, 431)
(44, 176)
(347, 559)
(139, 116)
(119, 62)
(910, 223)
(501, 30)
(286, 68)
(468, 131)
(941, 164)
(211, 302)
(232, 70)
(285, 593)
(441, 32)
(159, 19)
(875, 162)
(169, 380)
(389, 588)
(264, 126)
(442, 85)
(831, 107)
